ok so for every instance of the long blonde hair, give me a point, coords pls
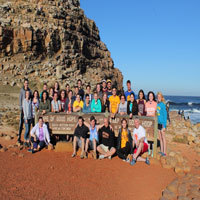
(162, 97)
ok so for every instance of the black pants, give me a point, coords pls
(21, 122)
(123, 152)
(42, 144)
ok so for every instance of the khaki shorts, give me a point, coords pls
(105, 148)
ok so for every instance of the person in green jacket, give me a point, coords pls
(96, 104)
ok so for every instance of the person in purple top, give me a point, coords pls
(39, 136)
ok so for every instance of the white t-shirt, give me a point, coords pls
(139, 133)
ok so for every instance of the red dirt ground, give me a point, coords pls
(50, 175)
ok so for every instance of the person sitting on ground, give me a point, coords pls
(35, 105)
(39, 136)
(88, 91)
(104, 86)
(87, 104)
(78, 104)
(80, 135)
(162, 122)
(106, 141)
(80, 89)
(62, 100)
(96, 104)
(98, 91)
(129, 91)
(55, 104)
(151, 105)
(28, 117)
(92, 141)
(141, 101)
(139, 143)
(114, 103)
(105, 103)
(45, 105)
(132, 107)
(109, 88)
(123, 106)
(51, 93)
(44, 89)
(69, 103)
(124, 142)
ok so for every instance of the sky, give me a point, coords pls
(154, 43)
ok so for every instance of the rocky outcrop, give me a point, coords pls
(48, 40)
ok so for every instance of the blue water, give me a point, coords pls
(190, 105)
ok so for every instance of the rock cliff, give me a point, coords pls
(48, 40)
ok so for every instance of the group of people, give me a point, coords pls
(103, 99)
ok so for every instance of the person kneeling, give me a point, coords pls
(140, 142)
(106, 141)
(39, 136)
(80, 135)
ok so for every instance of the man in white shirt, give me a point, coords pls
(140, 142)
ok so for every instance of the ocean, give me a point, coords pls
(190, 105)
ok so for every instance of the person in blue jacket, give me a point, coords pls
(162, 122)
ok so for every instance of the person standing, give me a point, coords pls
(109, 88)
(162, 122)
(104, 86)
(87, 104)
(21, 98)
(151, 105)
(141, 101)
(132, 107)
(55, 104)
(78, 104)
(129, 91)
(114, 103)
(35, 105)
(28, 117)
(96, 104)
(69, 103)
(80, 89)
(123, 106)
(45, 104)
(105, 103)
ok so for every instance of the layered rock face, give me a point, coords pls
(53, 40)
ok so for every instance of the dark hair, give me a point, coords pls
(75, 87)
(128, 82)
(43, 94)
(70, 91)
(40, 118)
(124, 119)
(45, 84)
(58, 85)
(79, 80)
(154, 97)
(66, 85)
(80, 117)
(35, 91)
(88, 86)
(114, 88)
(133, 95)
(87, 95)
(92, 118)
(29, 96)
(123, 95)
(61, 92)
(25, 80)
(141, 91)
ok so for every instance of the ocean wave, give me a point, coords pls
(184, 103)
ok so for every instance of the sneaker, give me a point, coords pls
(85, 154)
(109, 157)
(127, 160)
(133, 162)
(25, 144)
(163, 154)
(82, 156)
(101, 157)
(73, 155)
(147, 161)
(30, 150)
(33, 151)
(95, 155)
(124, 160)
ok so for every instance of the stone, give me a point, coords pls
(64, 147)
(173, 186)
(13, 153)
(183, 198)
(8, 138)
(172, 154)
(21, 155)
(183, 190)
(186, 169)
(13, 83)
(4, 149)
(178, 169)
(190, 138)
(163, 160)
(168, 194)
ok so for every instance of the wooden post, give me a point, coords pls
(155, 142)
(36, 117)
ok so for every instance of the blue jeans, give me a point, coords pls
(27, 129)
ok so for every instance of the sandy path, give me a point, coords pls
(50, 175)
